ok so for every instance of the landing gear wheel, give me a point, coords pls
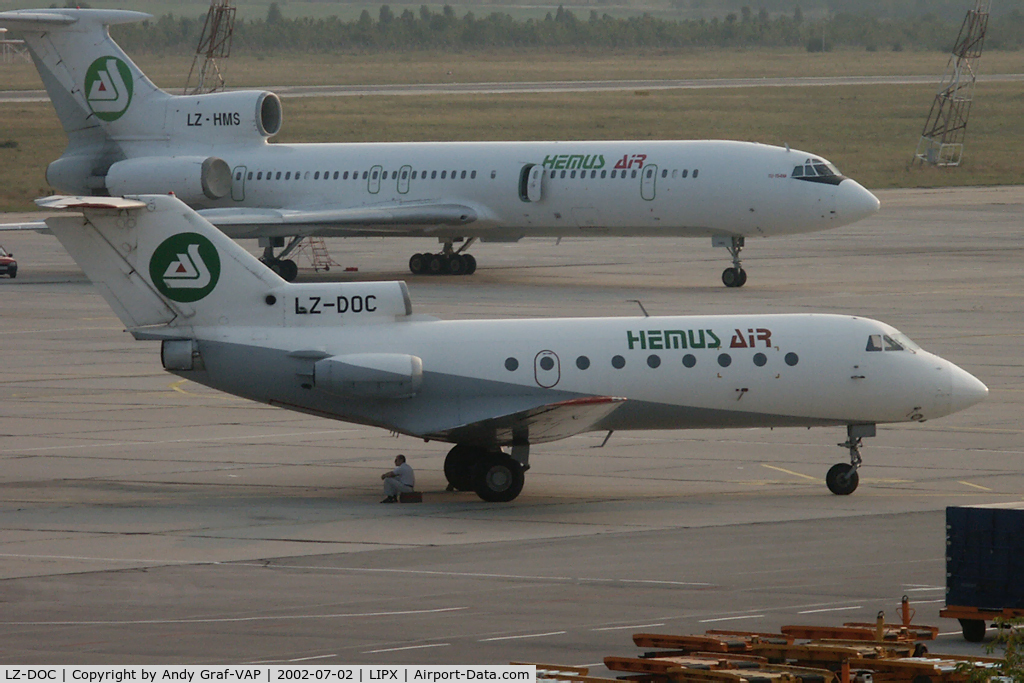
(436, 264)
(470, 263)
(456, 265)
(973, 629)
(418, 264)
(842, 479)
(458, 466)
(289, 270)
(498, 478)
(734, 277)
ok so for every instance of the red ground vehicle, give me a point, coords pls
(8, 266)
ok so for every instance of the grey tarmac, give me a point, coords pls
(144, 519)
(500, 88)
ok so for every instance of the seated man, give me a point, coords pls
(399, 480)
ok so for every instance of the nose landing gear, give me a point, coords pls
(842, 479)
(735, 276)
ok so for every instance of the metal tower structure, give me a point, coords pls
(214, 44)
(942, 140)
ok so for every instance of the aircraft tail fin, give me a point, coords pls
(91, 82)
(158, 263)
(165, 270)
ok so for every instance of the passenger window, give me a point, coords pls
(583, 362)
(572, 174)
(373, 177)
(433, 175)
(288, 175)
(618, 362)
(760, 359)
(494, 174)
(875, 342)
(472, 176)
(444, 174)
(563, 175)
(725, 360)
(335, 175)
(689, 360)
(613, 174)
(891, 344)
(316, 176)
(278, 176)
(653, 361)
(664, 173)
(297, 174)
(306, 176)
(259, 176)
(511, 364)
(634, 174)
(238, 176)
(695, 172)
(686, 172)
(604, 174)
(792, 359)
(463, 176)
(344, 176)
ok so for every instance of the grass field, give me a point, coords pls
(244, 70)
(869, 132)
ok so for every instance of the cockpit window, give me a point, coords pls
(892, 345)
(895, 342)
(798, 172)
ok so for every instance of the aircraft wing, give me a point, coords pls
(371, 219)
(548, 422)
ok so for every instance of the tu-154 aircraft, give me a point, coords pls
(126, 136)
(356, 352)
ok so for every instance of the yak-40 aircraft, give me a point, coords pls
(126, 136)
(355, 352)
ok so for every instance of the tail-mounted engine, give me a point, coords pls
(193, 180)
(223, 117)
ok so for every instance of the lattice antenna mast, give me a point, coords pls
(942, 140)
(214, 44)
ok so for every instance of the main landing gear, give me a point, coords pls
(735, 276)
(448, 262)
(493, 475)
(286, 268)
(842, 479)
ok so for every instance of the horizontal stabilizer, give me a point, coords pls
(548, 422)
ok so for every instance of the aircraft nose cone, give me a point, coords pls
(967, 390)
(854, 203)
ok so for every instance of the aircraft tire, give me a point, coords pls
(470, 263)
(842, 479)
(498, 478)
(417, 264)
(436, 264)
(289, 270)
(734, 277)
(456, 265)
(458, 466)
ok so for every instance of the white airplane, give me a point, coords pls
(355, 352)
(126, 136)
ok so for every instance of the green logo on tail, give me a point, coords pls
(185, 267)
(108, 88)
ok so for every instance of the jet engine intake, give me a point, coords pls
(193, 180)
(369, 375)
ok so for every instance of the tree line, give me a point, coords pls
(446, 30)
